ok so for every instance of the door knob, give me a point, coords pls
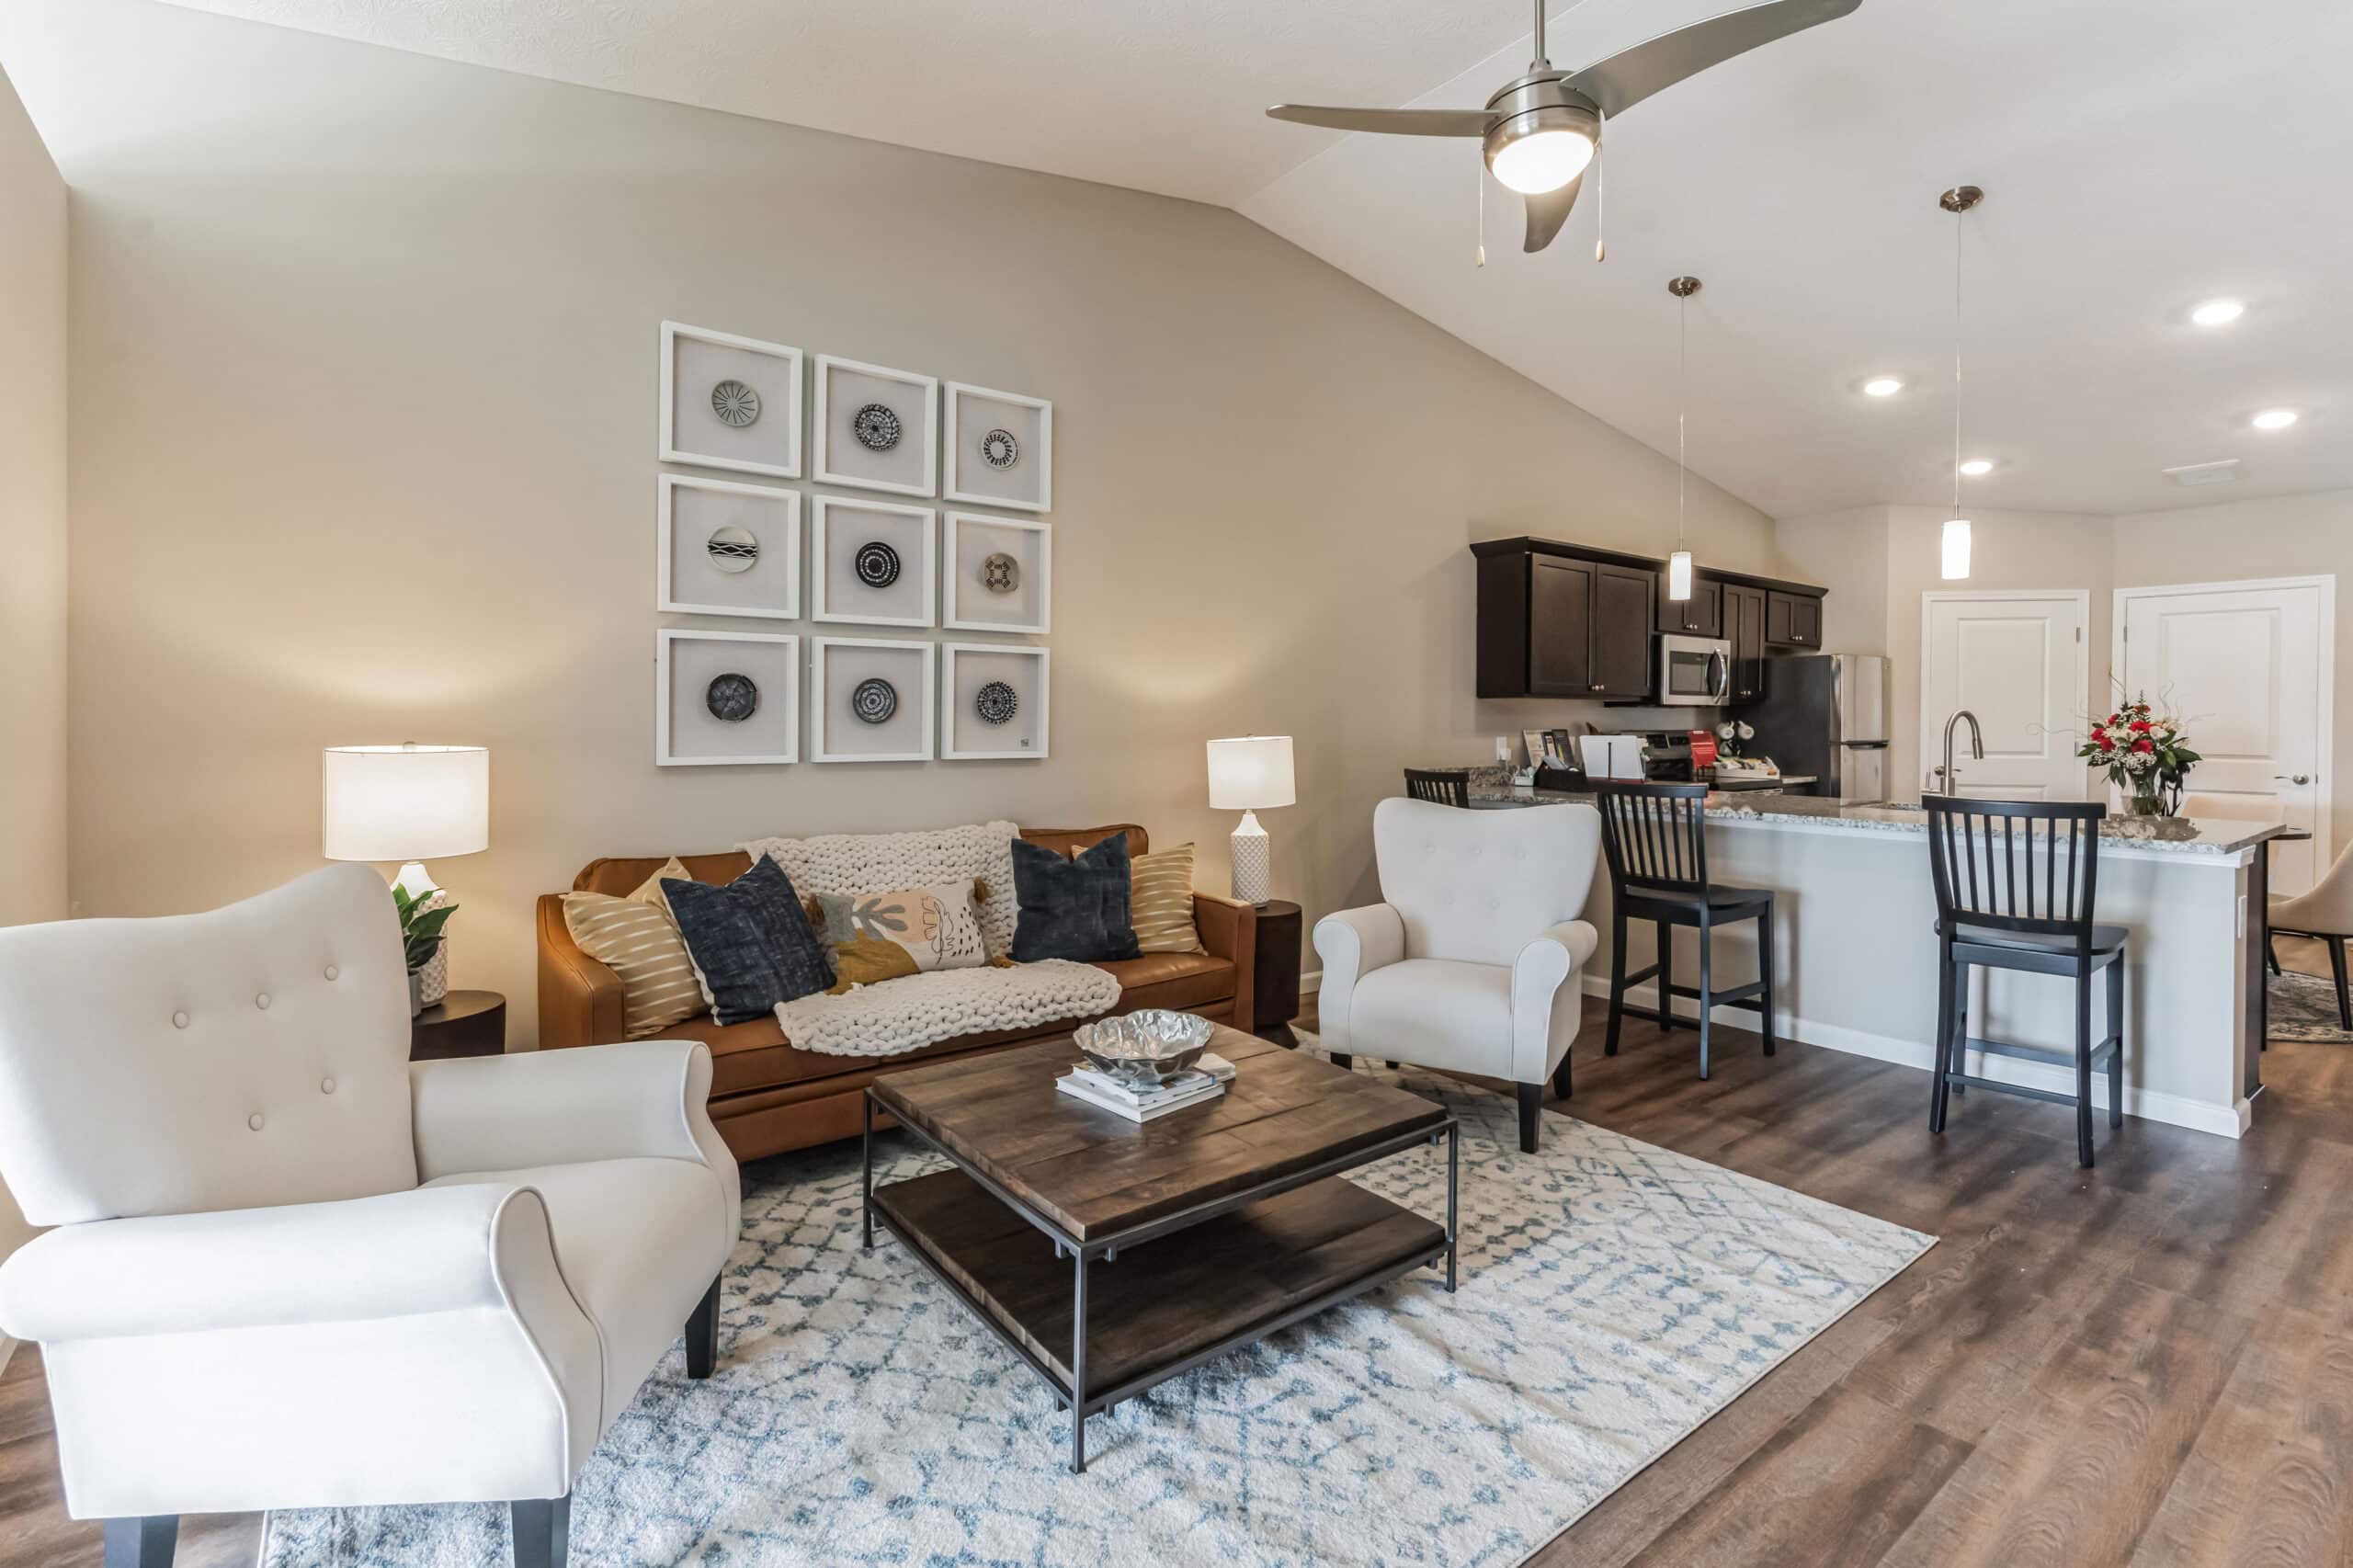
(2294, 778)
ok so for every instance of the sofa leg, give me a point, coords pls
(702, 1334)
(1531, 1097)
(542, 1530)
(142, 1541)
(1346, 1064)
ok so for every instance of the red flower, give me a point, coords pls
(2140, 726)
(2143, 745)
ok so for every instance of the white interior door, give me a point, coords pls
(2016, 661)
(2247, 668)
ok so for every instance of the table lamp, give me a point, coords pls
(409, 804)
(1245, 774)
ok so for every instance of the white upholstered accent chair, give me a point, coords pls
(292, 1269)
(2325, 913)
(1470, 964)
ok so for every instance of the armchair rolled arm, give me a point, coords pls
(434, 1249)
(1352, 943)
(1544, 1003)
(580, 999)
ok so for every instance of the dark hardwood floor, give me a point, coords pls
(2149, 1362)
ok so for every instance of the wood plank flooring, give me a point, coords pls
(2147, 1363)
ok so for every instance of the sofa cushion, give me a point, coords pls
(1074, 908)
(1176, 981)
(750, 941)
(874, 937)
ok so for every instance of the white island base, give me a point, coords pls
(1856, 957)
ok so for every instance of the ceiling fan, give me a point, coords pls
(1542, 128)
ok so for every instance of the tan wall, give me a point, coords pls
(32, 538)
(1846, 552)
(366, 384)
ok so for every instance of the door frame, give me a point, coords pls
(1928, 597)
(2325, 680)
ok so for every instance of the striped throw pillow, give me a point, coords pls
(1160, 901)
(639, 942)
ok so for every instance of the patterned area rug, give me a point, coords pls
(1613, 1297)
(2303, 1007)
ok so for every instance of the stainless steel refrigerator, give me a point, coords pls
(1826, 714)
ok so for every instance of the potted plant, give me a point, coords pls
(420, 936)
(2146, 755)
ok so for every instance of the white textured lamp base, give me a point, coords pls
(1253, 861)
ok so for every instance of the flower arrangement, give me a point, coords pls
(2146, 755)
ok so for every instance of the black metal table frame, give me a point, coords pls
(1076, 1398)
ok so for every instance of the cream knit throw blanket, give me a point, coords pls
(916, 1010)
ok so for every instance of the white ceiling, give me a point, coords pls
(2137, 159)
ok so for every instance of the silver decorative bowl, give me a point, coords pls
(1147, 1047)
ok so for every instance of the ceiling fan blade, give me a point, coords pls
(1633, 75)
(1547, 212)
(1391, 121)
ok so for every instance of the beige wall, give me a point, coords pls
(32, 538)
(365, 380)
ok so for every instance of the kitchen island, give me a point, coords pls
(1857, 961)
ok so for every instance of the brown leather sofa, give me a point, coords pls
(767, 1096)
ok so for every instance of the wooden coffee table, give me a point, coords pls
(1218, 1224)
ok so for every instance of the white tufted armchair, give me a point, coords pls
(1472, 963)
(291, 1268)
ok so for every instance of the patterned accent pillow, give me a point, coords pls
(881, 936)
(639, 942)
(1073, 909)
(1160, 901)
(750, 941)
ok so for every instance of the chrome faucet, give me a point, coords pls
(1976, 743)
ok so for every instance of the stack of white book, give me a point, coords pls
(1204, 1081)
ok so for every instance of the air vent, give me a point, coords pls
(2191, 475)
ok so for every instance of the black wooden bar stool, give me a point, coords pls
(1652, 837)
(1442, 786)
(2016, 881)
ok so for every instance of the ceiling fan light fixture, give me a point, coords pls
(1542, 150)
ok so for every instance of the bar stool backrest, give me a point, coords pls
(1651, 834)
(1441, 786)
(2029, 867)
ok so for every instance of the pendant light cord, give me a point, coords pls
(1959, 214)
(1682, 405)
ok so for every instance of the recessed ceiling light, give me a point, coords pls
(1975, 467)
(2274, 419)
(1883, 386)
(2218, 312)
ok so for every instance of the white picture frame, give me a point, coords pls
(681, 656)
(969, 479)
(707, 442)
(830, 530)
(841, 459)
(835, 662)
(778, 571)
(964, 737)
(966, 604)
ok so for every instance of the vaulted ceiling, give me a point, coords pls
(2138, 159)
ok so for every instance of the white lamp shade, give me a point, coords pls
(1250, 772)
(403, 802)
(1954, 549)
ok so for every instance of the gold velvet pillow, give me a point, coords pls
(881, 935)
(1160, 901)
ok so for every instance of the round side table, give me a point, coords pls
(463, 1023)
(1275, 999)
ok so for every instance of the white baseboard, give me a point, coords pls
(2226, 1121)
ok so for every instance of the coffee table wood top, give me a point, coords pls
(1095, 1173)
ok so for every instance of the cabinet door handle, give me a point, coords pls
(1596, 686)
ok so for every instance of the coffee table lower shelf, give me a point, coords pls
(1162, 1307)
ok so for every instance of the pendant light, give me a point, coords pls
(1955, 549)
(1678, 565)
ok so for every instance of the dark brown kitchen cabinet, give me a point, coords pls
(1792, 621)
(1621, 631)
(1745, 630)
(1701, 615)
(1553, 624)
(1559, 627)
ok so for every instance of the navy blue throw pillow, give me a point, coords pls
(1073, 909)
(751, 939)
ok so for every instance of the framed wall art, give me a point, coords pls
(876, 428)
(1000, 449)
(874, 562)
(993, 702)
(1000, 575)
(730, 402)
(725, 697)
(870, 699)
(728, 549)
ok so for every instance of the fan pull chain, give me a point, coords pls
(1482, 172)
(1600, 202)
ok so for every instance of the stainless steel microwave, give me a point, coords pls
(1693, 671)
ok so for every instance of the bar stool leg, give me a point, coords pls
(1666, 976)
(1765, 972)
(2116, 1056)
(1959, 1027)
(2084, 1070)
(2337, 963)
(1938, 1089)
(1616, 980)
(1707, 996)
